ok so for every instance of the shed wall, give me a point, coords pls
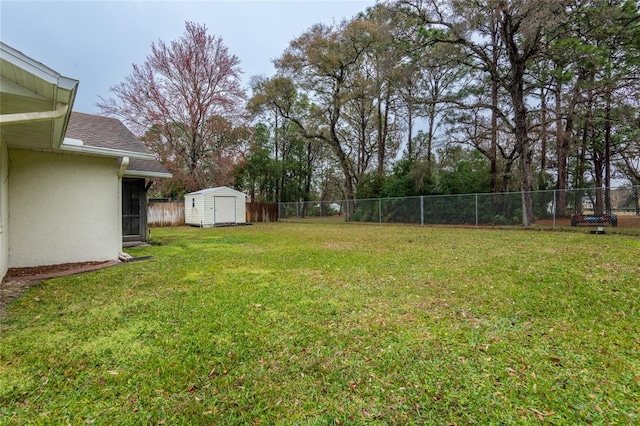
(63, 209)
(241, 209)
(208, 208)
(194, 215)
(205, 214)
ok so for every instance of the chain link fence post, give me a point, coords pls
(553, 207)
(476, 210)
(348, 210)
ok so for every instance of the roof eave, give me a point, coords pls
(67, 89)
(61, 103)
(34, 67)
(103, 152)
(143, 174)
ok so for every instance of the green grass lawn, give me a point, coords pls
(334, 324)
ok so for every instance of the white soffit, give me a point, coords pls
(8, 86)
(33, 94)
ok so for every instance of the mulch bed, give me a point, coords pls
(16, 273)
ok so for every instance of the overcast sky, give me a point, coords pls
(96, 42)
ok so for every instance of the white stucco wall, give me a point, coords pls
(63, 209)
(4, 209)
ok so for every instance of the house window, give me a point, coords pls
(193, 203)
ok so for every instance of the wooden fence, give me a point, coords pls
(262, 212)
(163, 213)
(171, 213)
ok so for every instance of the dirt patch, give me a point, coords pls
(18, 280)
(628, 221)
(624, 221)
(12, 289)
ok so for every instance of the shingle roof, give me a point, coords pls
(106, 132)
(103, 132)
(153, 166)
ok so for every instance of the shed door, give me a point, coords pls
(224, 209)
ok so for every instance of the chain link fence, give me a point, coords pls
(554, 208)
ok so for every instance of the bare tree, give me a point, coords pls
(186, 98)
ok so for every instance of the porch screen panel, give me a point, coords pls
(131, 208)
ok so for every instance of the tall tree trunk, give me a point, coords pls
(607, 152)
(506, 176)
(432, 124)
(563, 145)
(362, 153)
(308, 175)
(598, 166)
(523, 145)
(561, 155)
(409, 130)
(543, 134)
(493, 151)
(518, 63)
(383, 129)
(598, 156)
(578, 180)
(345, 164)
(276, 153)
(598, 169)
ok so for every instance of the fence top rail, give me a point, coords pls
(507, 193)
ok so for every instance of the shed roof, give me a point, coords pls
(106, 133)
(217, 189)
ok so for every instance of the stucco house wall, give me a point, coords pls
(66, 206)
(4, 208)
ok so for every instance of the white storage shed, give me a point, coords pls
(215, 207)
